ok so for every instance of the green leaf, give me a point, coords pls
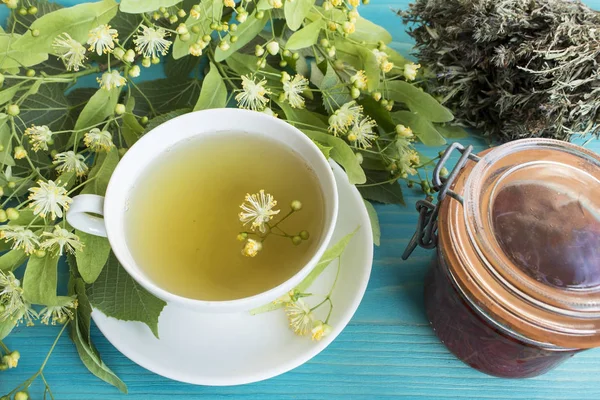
(166, 95)
(67, 179)
(302, 117)
(132, 130)
(26, 216)
(422, 128)
(418, 101)
(76, 21)
(209, 7)
(94, 256)
(371, 67)
(263, 5)
(180, 68)
(375, 110)
(40, 280)
(370, 32)
(213, 93)
(6, 142)
(326, 150)
(245, 64)
(101, 105)
(306, 36)
(245, 33)
(142, 6)
(13, 57)
(335, 94)
(117, 295)
(90, 358)
(48, 106)
(125, 23)
(296, 11)
(342, 153)
(374, 223)
(101, 173)
(7, 94)
(12, 259)
(451, 131)
(6, 327)
(154, 122)
(386, 193)
(330, 255)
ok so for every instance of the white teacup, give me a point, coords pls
(146, 151)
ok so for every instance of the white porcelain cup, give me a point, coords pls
(147, 150)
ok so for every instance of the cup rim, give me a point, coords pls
(325, 178)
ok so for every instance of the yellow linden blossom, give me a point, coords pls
(20, 152)
(22, 238)
(410, 71)
(195, 13)
(70, 161)
(196, 50)
(362, 132)
(344, 117)
(151, 42)
(111, 80)
(320, 330)
(348, 27)
(49, 198)
(98, 140)
(102, 39)
(253, 94)
(257, 209)
(251, 248)
(292, 89)
(404, 131)
(336, 3)
(61, 239)
(354, 3)
(276, 3)
(70, 51)
(229, 3)
(300, 317)
(359, 80)
(39, 137)
(60, 313)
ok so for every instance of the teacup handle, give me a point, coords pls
(79, 214)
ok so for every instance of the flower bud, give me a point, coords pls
(162, 10)
(155, 60)
(119, 53)
(324, 43)
(146, 62)
(327, 6)
(241, 17)
(181, 29)
(355, 93)
(260, 15)
(304, 235)
(273, 48)
(120, 109)
(181, 13)
(11, 185)
(296, 240)
(144, 120)
(129, 56)
(12, 214)
(283, 63)
(35, 32)
(296, 205)
(332, 26)
(3, 216)
(223, 45)
(233, 27)
(155, 16)
(13, 110)
(122, 151)
(233, 39)
(331, 52)
(21, 396)
(173, 19)
(195, 29)
(22, 11)
(376, 96)
(40, 253)
(258, 50)
(404, 131)
(214, 26)
(20, 153)
(185, 37)
(287, 53)
(134, 71)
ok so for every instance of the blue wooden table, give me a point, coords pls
(388, 350)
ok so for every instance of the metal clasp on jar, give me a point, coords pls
(426, 233)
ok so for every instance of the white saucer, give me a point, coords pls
(237, 348)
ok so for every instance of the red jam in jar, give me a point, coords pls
(515, 287)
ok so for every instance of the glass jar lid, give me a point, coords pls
(528, 239)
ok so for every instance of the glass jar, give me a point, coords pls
(515, 287)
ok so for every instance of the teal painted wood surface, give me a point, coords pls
(388, 349)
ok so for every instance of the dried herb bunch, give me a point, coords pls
(513, 68)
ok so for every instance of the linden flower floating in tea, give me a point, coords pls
(258, 211)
